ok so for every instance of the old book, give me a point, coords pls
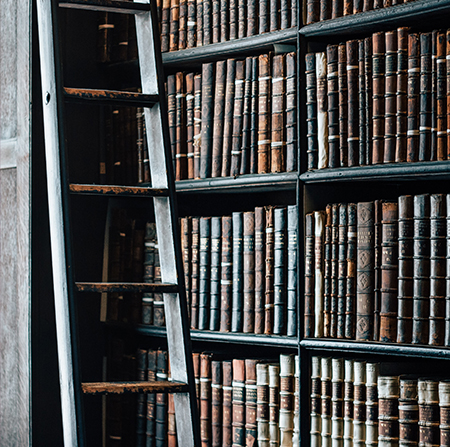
(325, 369)
(165, 25)
(141, 404)
(237, 117)
(316, 403)
(402, 94)
(207, 21)
(215, 275)
(311, 111)
(259, 269)
(350, 291)
(207, 119)
(228, 117)
(139, 150)
(264, 16)
(292, 265)
(286, 420)
(264, 112)
(161, 400)
(227, 411)
(309, 276)
(441, 97)
(368, 81)
(274, 403)
(269, 271)
(171, 422)
(172, 112)
(253, 154)
(195, 270)
(408, 412)
(197, 123)
(237, 297)
(325, 10)
(425, 97)
(421, 269)
(412, 149)
(390, 97)
(190, 124)
(191, 23)
(388, 394)
(319, 223)
(447, 295)
(215, 21)
(334, 268)
(149, 270)
(226, 270)
(347, 7)
(278, 138)
(173, 24)
(433, 120)
(274, 15)
(352, 51)
(333, 106)
(238, 403)
(312, 11)
(186, 230)
(279, 270)
(367, 5)
(151, 398)
(262, 403)
(336, 8)
(322, 114)
(196, 363)
(342, 271)
(204, 274)
(285, 14)
(327, 274)
(378, 81)
(377, 268)
(372, 373)
(359, 403)
(251, 428)
(357, 6)
(448, 90)
(444, 406)
(251, 18)
(405, 268)
(224, 20)
(158, 301)
(205, 399)
(244, 162)
(362, 103)
(348, 403)
(249, 272)
(180, 125)
(343, 105)
(242, 23)
(296, 434)
(233, 20)
(183, 25)
(428, 400)
(337, 401)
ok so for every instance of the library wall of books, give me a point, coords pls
(311, 148)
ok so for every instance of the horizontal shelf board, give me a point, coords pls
(251, 182)
(378, 19)
(125, 287)
(107, 6)
(133, 387)
(230, 48)
(435, 170)
(113, 190)
(376, 348)
(110, 97)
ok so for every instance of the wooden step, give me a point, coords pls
(106, 5)
(133, 387)
(112, 97)
(125, 287)
(114, 190)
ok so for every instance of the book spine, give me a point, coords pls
(224, 13)
(336, 8)
(239, 85)
(262, 404)
(186, 229)
(161, 400)
(238, 403)
(228, 117)
(390, 97)
(342, 270)
(347, 7)
(350, 292)
(316, 403)
(259, 269)
(165, 26)
(425, 97)
(278, 138)
(251, 428)
(312, 11)
(343, 105)
(441, 97)
(378, 79)
(205, 399)
(191, 24)
(279, 269)
(226, 281)
(252, 17)
(325, 10)
(401, 95)
(286, 417)
(357, 6)
(444, 410)
(274, 15)
(274, 404)
(249, 272)
(216, 21)
(236, 314)
(433, 120)
(197, 123)
(141, 404)
(428, 400)
(388, 394)
(348, 403)
(195, 269)
(171, 422)
(311, 111)
(173, 24)
(171, 113)
(190, 124)
(292, 265)
(319, 222)
(151, 398)
(183, 23)
(180, 124)
(408, 413)
(377, 282)
(196, 363)
(216, 403)
(353, 102)
(158, 303)
(207, 120)
(333, 106)
(149, 271)
(327, 274)
(215, 287)
(368, 81)
(253, 162)
(242, 23)
(337, 402)
(244, 162)
(227, 410)
(326, 392)
(362, 103)
(412, 151)
(264, 93)
(205, 271)
(447, 294)
(296, 434)
(367, 5)
(359, 404)
(233, 20)
(269, 272)
(372, 373)
(334, 268)
(322, 114)
(264, 16)
(309, 275)
(207, 22)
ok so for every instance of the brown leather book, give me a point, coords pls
(244, 162)
(327, 275)
(215, 287)
(165, 25)
(228, 117)
(173, 26)
(405, 268)
(224, 20)
(368, 5)
(226, 281)
(309, 276)
(253, 155)
(249, 272)
(227, 411)
(433, 147)
(279, 281)
(242, 23)
(342, 270)
(425, 123)
(274, 15)
(350, 292)
(264, 16)
(412, 149)
(207, 120)
(269, 297)
(262, 403)
(207, 21)
(141, 401)
(158, 303)
(316, 403)
(186, 231)
(428, 400)
(368, 81)
(378, 79)
(238, 290)
(180, 133)
(190, 124)
(199, 23)
(171, 423)
(183, 21)
(215, 21)
(388, 394)
(343, 105)
(264, 112)
(259, 269)
(196, 363)
(278, 139)
(408, 412)
(252, 18)
(233, 20)
(325, 10)
(357, 6)
(334, 268)
(347, 7)
(311, 111)
(312, 11)
(197, 123)
(216, 403)
(205, 399)
(205, 272)
(353, 102)
(149, 271)
(251, 433)
(294, 13)
(390, 97)
(333, 106)
(402, 94)
(377, 282)
(195, 269)
(291, 112)
(286, 420)
(362, 103)
(172, 113)
(274, 403)
(441, 97)
(285, 13)
(191, 24)
(389, 272)
(238, 403)
(336, 8)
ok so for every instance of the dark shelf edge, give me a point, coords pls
(395, 171)
(377, 348)
(384, 18)
(251, 182)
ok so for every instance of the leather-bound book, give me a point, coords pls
(412, 147)
(216, 403)
(444, 410)
(343, 105)
(205, 271)
(405, 269)
(158, 303)
(269, 292)
(238, 403)
(292, 265)
(333, 106)
(186, 230)
(173, 24)
(309, 275)
(161, 400)
(195, 270)
(353, 102)
(207, 119)
(294, 13)
(262, 404)
(278, 138)
(190, 124)
(369, 99)
(378, 80)
(285, 13)
(327, 274)
(242, 22)
(171, 423)
(237, 297)
(291, 112)
(197, 123)
(251, 428)
(228, 117)
(224, 20)
(207, 21)
(347, 7)
(149, 270)
(350, 292)
(215, 21)
(259, 269)
(264, 112)
(425, 97)
(253, 155)
(378, 4)
(402, 94)
(151, 398)
(311, 111)
(334, 268)
(337, 402)
(183, 21)
(286, 421)
(316, 403)
(251, 19)
(438, 268)
(239, 87)
(448, 90)
(226, 274)
(244, 162)
(365, 271)
(390, 97)
(348, 403)
(336, 8)
(428, 400)
(215, 287)
(357, 6)
(388, 394)
(408, 413)
(372, 372)
(389, 272)
(312, 11)
(296, 434)
(227, 410)
(377, 268)
(359, 404)
(279, 270)
(362, 103)
(274, 404)
(180, 132)
(191, 24)
(139, 149)
(433, 120)
(233, 20)
(219, 110)
(421, 269)
(104, 37)
(319, 224)
(249, 272)
(199, 23)
(326, 393)
(447, 296)
(441, 97)
(264, 16)
(368, 5)
(274, 15)
(165, 25)
(342, 271)
(205, 399)
(322, 114)
(196, 363)
(325, 10)
(141, 404)
(172, 112)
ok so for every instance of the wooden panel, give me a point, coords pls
(133, 387)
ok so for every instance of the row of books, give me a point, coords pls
(235, 117)
(241, 271)
(379, 270)
(381, 99)
(194, 23)
(353, 404)
(317, 10)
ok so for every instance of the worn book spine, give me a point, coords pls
(151, 398)
(190, 124)
(325, 10)
(412, 149)
(336, 8)
(343, 105)
(215, 275)
(242, 22)
(224, 13)
(447, 294)
(171, 422)
(259, 269)
(408, 413)
(428, 400)
(286, 419)
(319, 223)
(244, 162)
(158, 303)
(333, 106)
(249, 272)
(173, 24)
(197, 123)
(390, 97)
(165, 25)
(334, 268)
(285, 14)
(204, 274)
(378, 79)
(367, 5)
(372, 373)
(253, 155)
(183, 23)
(348, 403)
(388, 394)
(196, 364)
(368, 81)
(357, 6)
(264, 126)
(199, 23)
(441, 97)
(141, 401)
(294, 13)
(216, 403)
(421, 269)
(316, 403)
(161, 400)
(269, 271)
(237, 297)
(191, 24)
(171, 113)
(264, 16)
(312, 11)
(405, 268)
(279, 270)
(274, 404)
(205, 399)
(444, 410)
(216, 21)
(347, 8)
(262, 404)
(337, 402)
(226, 272)
(377, 282)
(238, 403)
(274, 15)
(296, 434)
(186, 230)
(350, 291)
(195, 269)
(252, 18)
(433, 120)
(207, 119)
(342, 270)
(180, 124)
(228, 117)
(362, 103)
(292, 266)
(278, 138)
(309, 276)
(326, 393)
(227, 410)
(207, 10)
(402, 94)
(149, 269)
(448, 90)
(327, 274)
(425, 97)
(322, 114)
(251, 428)
(353, 102)
(311, 111)
(233, 20)
(291, 112)
(359, 404)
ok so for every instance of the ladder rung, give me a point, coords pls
(110, 97)
(127, 191)
(107, 5)
(125, 287)
(133, 387)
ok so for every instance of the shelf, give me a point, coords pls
(429, 170)
(380, 19)
(251, 182)
(376, 348)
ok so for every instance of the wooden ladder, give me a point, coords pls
(162, 192)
